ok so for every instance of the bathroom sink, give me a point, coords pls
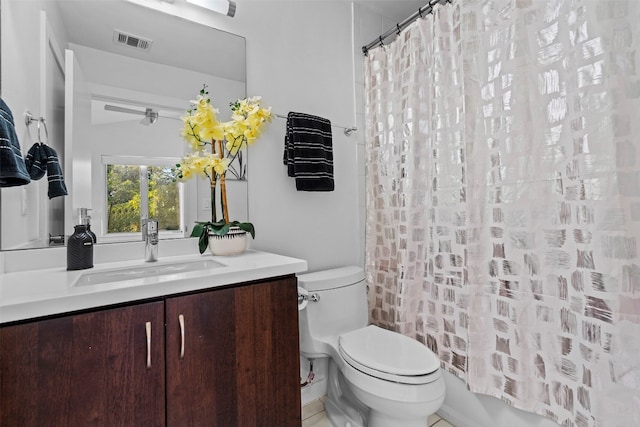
(138, 272)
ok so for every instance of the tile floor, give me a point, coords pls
(313, 415)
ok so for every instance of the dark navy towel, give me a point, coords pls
(36, 161)
(13, 171)
(57, 186)
(308, 152)
(40, 159)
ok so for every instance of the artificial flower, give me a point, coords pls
(225, 142)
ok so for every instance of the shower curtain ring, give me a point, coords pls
(381, 41)
(398, 27)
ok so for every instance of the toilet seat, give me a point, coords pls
(389, 356)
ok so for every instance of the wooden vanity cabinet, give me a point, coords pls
(240, 364)
(85, 369)
(221, 357)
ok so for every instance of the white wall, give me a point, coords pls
(299, 58)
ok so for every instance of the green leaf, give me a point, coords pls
(246, 226)
(220, 228)
(197, 229)
(203, 241)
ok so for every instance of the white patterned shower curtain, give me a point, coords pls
(503, 200)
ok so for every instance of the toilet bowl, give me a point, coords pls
(377, 378)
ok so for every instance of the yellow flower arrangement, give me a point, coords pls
(216, 148)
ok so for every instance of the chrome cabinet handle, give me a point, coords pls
(148, 328)
(181, 321)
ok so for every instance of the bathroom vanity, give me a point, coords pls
(213, 344)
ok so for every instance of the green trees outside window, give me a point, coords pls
(135, 192)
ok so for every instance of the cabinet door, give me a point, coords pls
(240, 365)
(84, 370)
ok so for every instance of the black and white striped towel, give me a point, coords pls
(57, 186)
(13, 171)
(41, 158)
(308, 152)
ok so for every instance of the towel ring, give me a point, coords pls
(46, 132)
(28, 119)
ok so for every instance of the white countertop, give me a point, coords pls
(31, 294)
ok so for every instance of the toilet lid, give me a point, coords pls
(388, 355)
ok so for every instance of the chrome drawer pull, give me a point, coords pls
(148, 328)
(181, 321)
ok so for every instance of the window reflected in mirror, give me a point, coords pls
(136, 192)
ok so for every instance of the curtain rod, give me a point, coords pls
(425, 10)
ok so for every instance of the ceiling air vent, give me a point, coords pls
(125, 39)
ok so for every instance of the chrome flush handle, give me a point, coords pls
(311, 297)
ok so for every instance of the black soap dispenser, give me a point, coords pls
(79, 249)
(85, 219)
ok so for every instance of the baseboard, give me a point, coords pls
(314, 391)
(457, 418)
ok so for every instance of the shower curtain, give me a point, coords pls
(503, 200)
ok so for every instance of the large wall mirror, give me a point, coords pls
(111, 79)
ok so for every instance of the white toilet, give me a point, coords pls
(377, 378)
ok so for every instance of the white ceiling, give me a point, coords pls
(395, 10)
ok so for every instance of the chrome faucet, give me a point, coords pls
(150, 237)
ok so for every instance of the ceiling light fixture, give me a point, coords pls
(225, 7)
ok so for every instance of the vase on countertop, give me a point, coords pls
(234, 242)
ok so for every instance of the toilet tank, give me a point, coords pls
(341, 308)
